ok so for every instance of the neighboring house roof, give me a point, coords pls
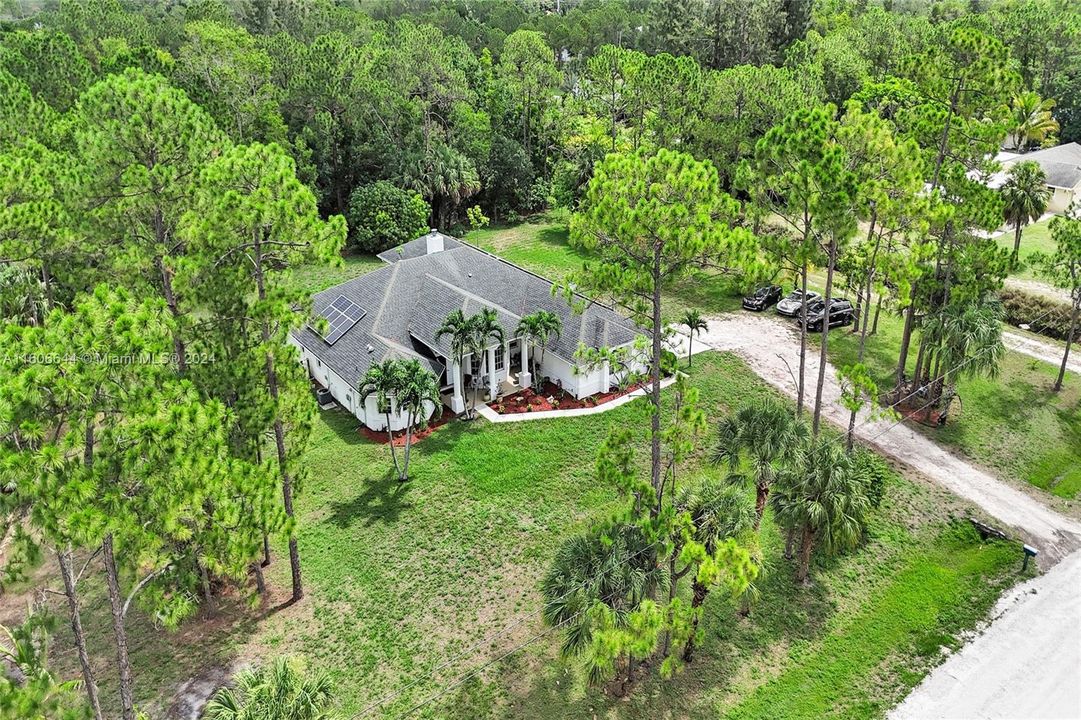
(1061, 164)
(408, 300)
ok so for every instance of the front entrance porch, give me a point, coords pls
(487, 377)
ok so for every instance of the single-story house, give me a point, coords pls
(395, 312)
(1061, 164)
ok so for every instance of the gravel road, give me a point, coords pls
(1027, 662)
(1045, 351)
(771, 347)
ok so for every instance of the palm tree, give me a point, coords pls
(823, 499)
(962, 339)
(486, 328)
(613, 566)
(719, 512)
(768, 438)
(383, 380)
(539, 328)
(463, 339)
(418, 390)
(693, 321)
(1031, 120)
(280, 691)
(1025, 194)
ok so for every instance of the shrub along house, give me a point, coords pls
(395, 311)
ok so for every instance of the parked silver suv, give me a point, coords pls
(791, 304)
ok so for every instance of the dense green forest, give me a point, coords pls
(166, 166)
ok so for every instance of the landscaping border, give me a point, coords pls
(492, 416)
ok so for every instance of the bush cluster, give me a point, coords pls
(1043, 315)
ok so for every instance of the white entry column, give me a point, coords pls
(493, 384)
(524, 378)
(457, 400)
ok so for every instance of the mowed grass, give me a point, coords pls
(1013, 423)
(1035, 237)
(405, 582)
(542, 245)
(315, 278)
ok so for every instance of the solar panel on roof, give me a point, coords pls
(341, 315)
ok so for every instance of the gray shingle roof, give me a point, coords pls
(1061, 164)
(407, 301)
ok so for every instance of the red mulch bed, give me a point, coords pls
(399, 437)
(534, 400)
(918, 414)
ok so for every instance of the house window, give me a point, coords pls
(474, 365)
(499, 358)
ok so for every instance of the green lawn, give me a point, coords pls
(314, 278)
(1035, 237)
(401, 578)
(541, 244)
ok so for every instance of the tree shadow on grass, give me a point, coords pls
(345, 426)
(382, 500)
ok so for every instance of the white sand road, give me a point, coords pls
(1027, 663)
(1041, 350)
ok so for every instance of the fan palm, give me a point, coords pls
(1025, 194)
(383, 380)
(418, 389)
(768, 438)
(964, 337)
(1031, 119)
(822, 498)
(694, 322)
(719, 512)
(612, 566)
(539, 328)
(280, 691)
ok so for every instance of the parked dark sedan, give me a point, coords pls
(763, 297)
(841, 313)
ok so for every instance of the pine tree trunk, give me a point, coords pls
(279, 429)
(116, 604)
(167, 290)
(802, 342)
(260, 581)
(1069, 342)
(655, 391)
(878, 310)
(789, 542)
(700, 593)
(204, 582)
(266, 550)
(816, 423)
(906, 335)
(63, 557)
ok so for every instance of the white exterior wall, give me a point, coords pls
(1060, 199)
(349, 397)
(583, 383)
(560, 371)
